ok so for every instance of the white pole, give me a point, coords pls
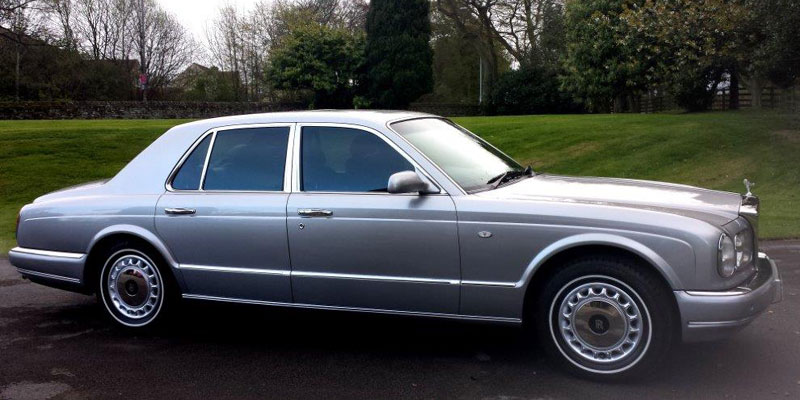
(480, 80)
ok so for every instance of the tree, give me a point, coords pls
(529, 31)
(23, 26)
(398, 54)
(684, 46)
(768, 49)
(530, 89)
(601, 68)
(161, 42)
(321, 60)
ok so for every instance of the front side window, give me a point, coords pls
(338, 159)
(248, 159)
(466, 158)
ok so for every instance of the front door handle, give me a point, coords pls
(179, 211)
(314, 212)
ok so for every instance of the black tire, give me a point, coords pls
(144, 282)
(576, 309)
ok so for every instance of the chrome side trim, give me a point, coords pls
(235, 270)
(309, 274)
(374, 277)
(47, 253)
(259, 271)
(49, 276)
(720, 324)
(354, 309)
(489, 283)
(735, 292)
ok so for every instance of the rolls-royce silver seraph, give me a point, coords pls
(404, 213)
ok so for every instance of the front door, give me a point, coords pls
(354, 245)
(224, 217)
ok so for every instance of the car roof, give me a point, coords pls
(370, 118)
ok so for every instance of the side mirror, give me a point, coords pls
(410, 182)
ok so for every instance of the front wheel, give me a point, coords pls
(605, 317)
(132, 288)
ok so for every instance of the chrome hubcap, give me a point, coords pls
(600, 322)
(134, 286)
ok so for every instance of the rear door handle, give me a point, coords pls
(179, 211)
(314, 212)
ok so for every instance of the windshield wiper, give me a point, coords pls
(507, 176)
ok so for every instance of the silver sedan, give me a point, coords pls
(404, 213)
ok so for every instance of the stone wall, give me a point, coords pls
(179, 109)
(132, 109)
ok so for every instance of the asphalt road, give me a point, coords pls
(54, 344)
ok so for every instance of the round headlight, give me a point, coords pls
(726, 258)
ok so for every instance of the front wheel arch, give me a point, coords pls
(544, 272)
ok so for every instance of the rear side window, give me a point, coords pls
(338, 159)
(248, 159)
(188, 176)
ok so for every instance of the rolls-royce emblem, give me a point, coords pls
(484, 234)
(748, 185)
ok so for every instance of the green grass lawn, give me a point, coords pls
(715, 150)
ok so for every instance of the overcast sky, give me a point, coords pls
(195, 14)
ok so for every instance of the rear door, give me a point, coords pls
(224, 214)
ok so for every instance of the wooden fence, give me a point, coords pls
(771, 98)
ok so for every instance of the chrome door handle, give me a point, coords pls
(314, 212)
(179, 211)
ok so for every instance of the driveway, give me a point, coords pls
(55, 344)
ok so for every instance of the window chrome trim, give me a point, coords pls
(206, 161)
(237, 270)
(48, 276)
(47, 253)
(213, 131)
(298, 138)
(353, 309)
(182, 160)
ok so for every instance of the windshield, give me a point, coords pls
(470, 161)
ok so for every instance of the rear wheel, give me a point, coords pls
(605, 317)
(132, 287)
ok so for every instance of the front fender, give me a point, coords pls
(604, 239)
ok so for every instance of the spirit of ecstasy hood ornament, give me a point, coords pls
(748, 185)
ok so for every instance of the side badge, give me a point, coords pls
(484, 234)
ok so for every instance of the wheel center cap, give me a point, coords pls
(598, 324)
(131, 288)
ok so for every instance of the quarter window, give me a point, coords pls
(248, 159)
(188, 176)
(338, 159)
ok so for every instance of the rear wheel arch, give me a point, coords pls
(102, 244)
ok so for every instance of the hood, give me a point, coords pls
(71, 190)
(712, 206)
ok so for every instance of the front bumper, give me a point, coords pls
(716, 315)
(51, 268)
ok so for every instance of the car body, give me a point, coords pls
(320, 230)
